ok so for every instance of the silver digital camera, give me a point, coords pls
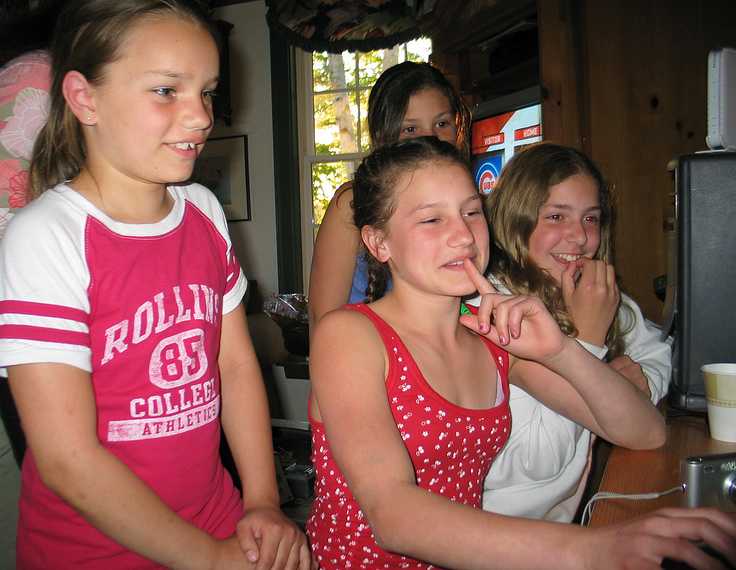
(710, 481)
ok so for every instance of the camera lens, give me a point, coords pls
(729, 487)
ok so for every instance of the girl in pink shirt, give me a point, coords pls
(121, 322)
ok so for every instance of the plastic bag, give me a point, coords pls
(290, 312)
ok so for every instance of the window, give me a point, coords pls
(333, 123)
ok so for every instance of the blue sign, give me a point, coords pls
(487, 170)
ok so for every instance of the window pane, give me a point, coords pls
(365, 139)
(373, 63)
(419, 49)
(349, 63)
(333, 71)
(335, 123)
(320, 71)
(326, 178)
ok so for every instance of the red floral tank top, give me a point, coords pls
(450, 447)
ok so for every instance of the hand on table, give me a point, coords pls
(271, 541)
(592, 298)
(667, 533)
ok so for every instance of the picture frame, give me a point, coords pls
(223, 168)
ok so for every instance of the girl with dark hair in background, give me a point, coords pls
(408, 100)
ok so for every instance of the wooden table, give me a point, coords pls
(657, 470)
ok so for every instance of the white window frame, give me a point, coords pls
(305, 108)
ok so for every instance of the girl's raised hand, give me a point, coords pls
(521, 324)
(592, 299)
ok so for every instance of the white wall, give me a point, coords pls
(250, 76)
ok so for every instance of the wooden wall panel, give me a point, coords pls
(645, 63)
(560, 66)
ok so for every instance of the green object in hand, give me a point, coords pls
(464, 309)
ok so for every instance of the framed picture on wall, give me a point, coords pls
(223, 168)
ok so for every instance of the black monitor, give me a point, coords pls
(701, 305)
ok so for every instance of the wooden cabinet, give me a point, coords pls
(624, 81)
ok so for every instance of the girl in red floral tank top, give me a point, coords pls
(450, 447)
(410, 401)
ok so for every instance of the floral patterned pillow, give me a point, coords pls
(24, 101)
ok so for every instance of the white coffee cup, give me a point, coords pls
(720, 395)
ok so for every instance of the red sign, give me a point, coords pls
(498, 138)
(488, 131)
(528, 132)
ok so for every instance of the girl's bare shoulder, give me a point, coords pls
(339, 212)
(346, 323)
(343, 340)
(343, 197)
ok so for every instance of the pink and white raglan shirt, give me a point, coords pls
(140, 308)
